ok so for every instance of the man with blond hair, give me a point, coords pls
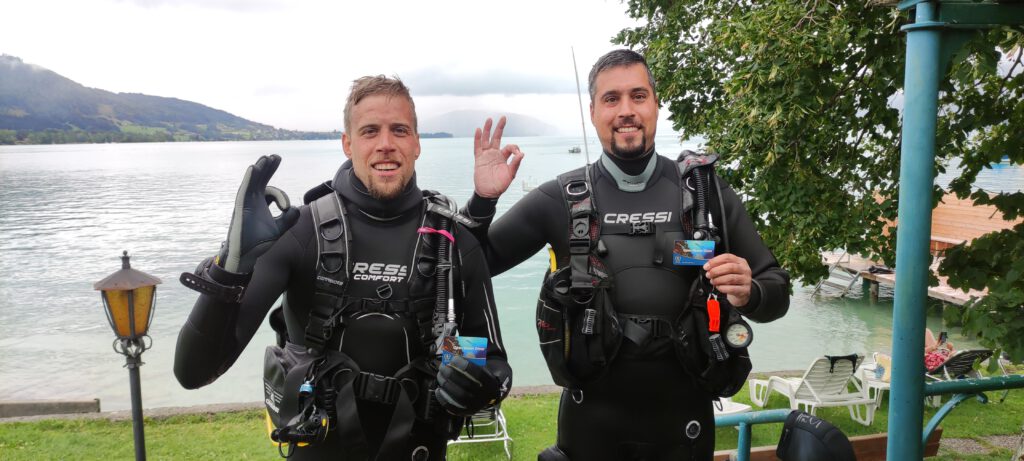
(375, 275)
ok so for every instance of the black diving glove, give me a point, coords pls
(463, 387)
(253, 229)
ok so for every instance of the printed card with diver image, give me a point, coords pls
(472, 348)
(692, 252)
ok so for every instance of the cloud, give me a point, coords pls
(436, 81)
(274, 90)
(228, 5)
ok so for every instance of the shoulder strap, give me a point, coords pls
(440, 204)
(722, 224)
(332, 269)
(584, 230)
(320, 190)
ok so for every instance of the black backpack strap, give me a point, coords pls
(722, 224)
(440, 204)
(332, 270)
(583, 231)
(320, 190)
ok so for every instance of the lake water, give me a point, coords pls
(69, 210)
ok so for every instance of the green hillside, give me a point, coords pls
(38, 106)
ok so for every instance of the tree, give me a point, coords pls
(800, 98)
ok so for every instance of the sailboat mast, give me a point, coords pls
(579, 96)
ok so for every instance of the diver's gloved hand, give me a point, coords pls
(253, 229)
(463, 387)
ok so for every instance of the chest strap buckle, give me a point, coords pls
(377, 388)
(641, 228)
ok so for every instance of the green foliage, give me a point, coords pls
(800, 97)
(795, 97)
(985, 122)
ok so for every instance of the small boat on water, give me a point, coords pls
(575, 150)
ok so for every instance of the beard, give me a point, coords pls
(630, 152)
(386, 190)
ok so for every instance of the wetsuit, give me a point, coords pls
(640, 409)
(383, 233)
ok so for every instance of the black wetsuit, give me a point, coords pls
(384, 233)
(640, 409)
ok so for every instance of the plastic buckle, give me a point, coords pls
(647, 323)
(431, 406)
(377, 388)
(313, 341)
(656, 327)
(641, 228)
(376, 306)
(639, 320)
(579, 246)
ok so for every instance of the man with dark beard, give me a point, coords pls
(614, 225)
(375, 275)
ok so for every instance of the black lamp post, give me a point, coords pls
(128, 300)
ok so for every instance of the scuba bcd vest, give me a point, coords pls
(580, 331)
(313, 389)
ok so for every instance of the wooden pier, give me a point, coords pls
(954, 221)
(860, 266)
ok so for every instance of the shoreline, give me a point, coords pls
(158, 413)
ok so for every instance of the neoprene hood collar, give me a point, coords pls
(354, 191)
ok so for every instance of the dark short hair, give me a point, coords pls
(617, 58)
(367, 86)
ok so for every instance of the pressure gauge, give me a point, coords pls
(739, 335)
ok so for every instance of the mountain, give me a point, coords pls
(463, 123)
(39, 106)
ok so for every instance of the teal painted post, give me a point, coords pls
(906, 398)
(743, 444)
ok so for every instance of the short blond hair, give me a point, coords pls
(367, 86)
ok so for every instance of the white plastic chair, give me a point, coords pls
(487, 425)
(871, 385)
(729, 407)
(825, 384)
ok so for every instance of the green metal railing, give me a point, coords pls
(962, 390)
(744, 421)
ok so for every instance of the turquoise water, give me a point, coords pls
(69, 210)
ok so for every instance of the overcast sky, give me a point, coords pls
(289, 63)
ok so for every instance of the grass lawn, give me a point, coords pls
(241, 435)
